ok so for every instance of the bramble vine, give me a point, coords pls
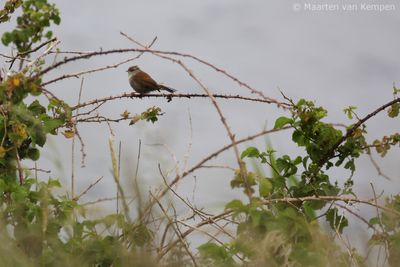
(277, 222)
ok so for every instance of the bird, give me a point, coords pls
(142, 83)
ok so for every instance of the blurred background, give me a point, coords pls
(336, 58)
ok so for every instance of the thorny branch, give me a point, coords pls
(168, 97)
(228, 129)
(353, 128)
(154, 52)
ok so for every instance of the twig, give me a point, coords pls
(177, 232)
(332, 198)
(87, 189)
(37, 170)
(380, 221)
(352, 129)
(53, 44)
(167, 96)
(195, 211)
(377, 168)
(76, 75)
(178, 177)
(20, 169)
(211, 219)
(252, 90)
(155, 52)
(102, 200)
(224, 122)
(214, 218)
(357, 216)
(22, 55)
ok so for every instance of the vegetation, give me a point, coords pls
(276, 223)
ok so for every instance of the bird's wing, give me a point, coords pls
(146, 80)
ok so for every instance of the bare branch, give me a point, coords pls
(87, 189)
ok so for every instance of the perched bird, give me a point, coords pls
(142, 83)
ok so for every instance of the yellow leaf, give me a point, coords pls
(16, 82)
(125, 114)
(19, 130)
(2, 152)
(357, 133)
(69, 134)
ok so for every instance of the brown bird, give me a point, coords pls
(142, 83)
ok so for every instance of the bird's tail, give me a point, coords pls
(165, 88)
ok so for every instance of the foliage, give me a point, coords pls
(23, 127)
(279, 225)
(287, 233)
(270, 238)
(9, 8)
(48, 229)
(36, 16)
(150, 115)
(390, 225)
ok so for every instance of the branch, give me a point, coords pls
(148, 50)
(222, 215)
(332, 198)
(352, 129)
(178, 177)
(223, 119)
(168, 96)
(22, 55)
(252, 90)
(76, 75)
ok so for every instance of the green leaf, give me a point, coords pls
(33, 154)
(374, 221)
(394, 110)
(301, 102)
(349, 111)
(19, 194)
(6, 39)
(250, 152)
(298, 138)
(51, 124)
(151, 114)
(36, 108)
(265, 187)
(53, 183)
(309, 210)
(336, 221)
(350, 165)
(235, 204)
(213, 251)
(37, 134)
(48, 34)
(297, 160)
(113, 219)
(281, 164)
(141, 235)
(282, 121)
(56, 19)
